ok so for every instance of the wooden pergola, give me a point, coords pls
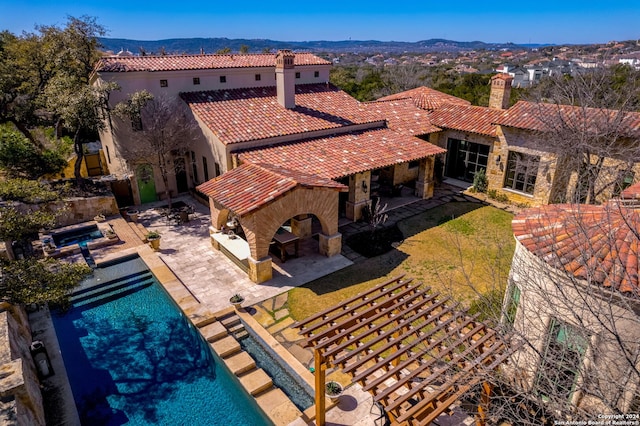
(410, 348)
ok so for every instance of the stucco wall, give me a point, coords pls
(604, 316)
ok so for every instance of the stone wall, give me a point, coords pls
(76, 210)
(20, 397)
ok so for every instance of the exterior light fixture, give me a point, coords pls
(364, 187)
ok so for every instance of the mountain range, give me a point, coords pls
(213, 45)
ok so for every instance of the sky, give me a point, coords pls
(555, 22)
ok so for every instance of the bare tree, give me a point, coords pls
(572, 307)
(589, 120)
(154, 131)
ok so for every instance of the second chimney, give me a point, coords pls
(285, 79)
(500, 91)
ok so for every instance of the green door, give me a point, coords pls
(146, 184)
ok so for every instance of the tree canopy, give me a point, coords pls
(25, 282)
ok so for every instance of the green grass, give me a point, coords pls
(461, 249)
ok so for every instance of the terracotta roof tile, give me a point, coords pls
(632, 192)
(344, 154)
(404, 116)
(467, 118)
(426, 98)
(546, 116)
(198, 62)
(250, 186)
(241, 115)
(595, 243)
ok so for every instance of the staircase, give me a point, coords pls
(112, 289)
(223, 333)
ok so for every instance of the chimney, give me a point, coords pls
(285, 79)
(500, 91)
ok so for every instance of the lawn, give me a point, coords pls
(462, 249)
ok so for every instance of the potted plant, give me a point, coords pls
(236, 300)
(333, 389)
(154, 239)
(133, 215)
(110, 233)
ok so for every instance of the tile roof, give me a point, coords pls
(467, 118)
(426, 98)
(546, 116)
(345, 154)
(251, 186)
(632, 192)
(598, 243)
(404, 116)
(241, 115)
(198, 62)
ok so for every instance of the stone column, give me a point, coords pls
(425, 183)
(260, 270)
(301, 226)
(330, 245)
(359, 187)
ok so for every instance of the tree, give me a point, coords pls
(586, 121)
(155, 131)
(82, 109)
(244, 49)
(19, 229)
(26, 282)
(19, 157)
(223, 51)
(571, 311)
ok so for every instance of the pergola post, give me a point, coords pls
(320, 387)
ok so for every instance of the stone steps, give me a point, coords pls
(223, 333)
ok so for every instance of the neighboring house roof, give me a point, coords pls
(595, 243)
(404, 116)
(546, 116)
(241, 115)
(198, 62)
(632, 192)
(344, 154)
(467, 118)
(250, 186)
(426, 98)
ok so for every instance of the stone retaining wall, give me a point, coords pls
(20, 397)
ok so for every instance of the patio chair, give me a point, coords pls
(383, 417)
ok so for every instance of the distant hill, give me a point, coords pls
(212, 45)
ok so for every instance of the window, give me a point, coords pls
(217, 168)
(194, 167)
(297, 75)
(108, 155)
(512, 305)
(136, 124)
(164, 83)
(205, 168)
(561, 360)
(316, 74)
(223, 79)
(258, 77)
(465, 158)
(522, 170)
(196, 81)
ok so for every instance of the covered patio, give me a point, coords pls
(413, 350)
(250, 204)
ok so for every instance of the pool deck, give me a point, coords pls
(201, 280)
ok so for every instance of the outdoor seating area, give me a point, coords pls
(179, 213)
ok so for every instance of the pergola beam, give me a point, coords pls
(404, 332)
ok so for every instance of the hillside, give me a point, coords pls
(212, 45)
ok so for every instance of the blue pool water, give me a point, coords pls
(296, 392)
(77, 236)
(133, 358)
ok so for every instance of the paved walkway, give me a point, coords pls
(212, 278)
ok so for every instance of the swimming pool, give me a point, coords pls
(132, 357)
(76, 236)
